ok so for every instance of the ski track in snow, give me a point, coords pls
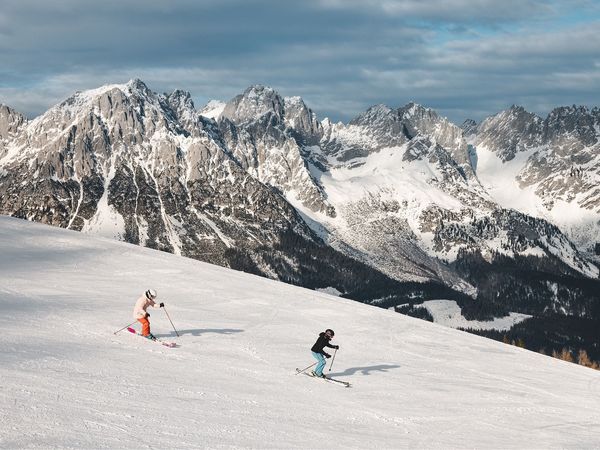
(68, 382)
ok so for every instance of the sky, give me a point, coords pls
(463, 58)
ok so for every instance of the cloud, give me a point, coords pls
(465, 11)
(465, 59)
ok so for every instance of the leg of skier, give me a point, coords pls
(321, 364)
(145, 326)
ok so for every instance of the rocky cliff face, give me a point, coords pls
(511, 131)
(124, 162)
(11, 123)
(265, 133)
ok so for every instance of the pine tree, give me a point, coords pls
(583, 359)
(564, 354)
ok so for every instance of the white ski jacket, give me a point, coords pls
(142, 305)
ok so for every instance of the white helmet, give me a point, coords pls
(151, 294)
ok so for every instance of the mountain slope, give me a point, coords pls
(67, 381)
(548, 168)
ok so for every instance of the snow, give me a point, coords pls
(213, 226)
(69, 382)
(448, 314)
(329, 290)
(213, 109)
(386, 171)
(106, 221)
(499, 179)
(79, 201)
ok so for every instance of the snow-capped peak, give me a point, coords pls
(213, 109)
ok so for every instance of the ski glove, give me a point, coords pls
(162, 305)
(336, 346)
(327, 355)
(147, 315)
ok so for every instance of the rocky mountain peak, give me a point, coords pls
(180, 98)
(573, 122)
(105, 100)
(469, 127)
(302, 120)
(137, 86)
(375, 116)
(517, 109)
(182, 106)
(510, 131)
(253, 104)
(10, 121)
(419, 120)
(413, 109)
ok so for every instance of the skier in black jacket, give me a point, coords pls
(320, 354)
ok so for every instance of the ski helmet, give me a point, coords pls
(151, 294)
(330, 331)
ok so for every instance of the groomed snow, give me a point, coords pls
(448, 314)
(68, 382)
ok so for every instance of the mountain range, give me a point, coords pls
(396, 207)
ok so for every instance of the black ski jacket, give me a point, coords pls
(321, 343)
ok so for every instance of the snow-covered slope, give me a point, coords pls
(67, 381)
(213, 109)
(448, 313)
(547, 168)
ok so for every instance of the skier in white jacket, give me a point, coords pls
(139, 311)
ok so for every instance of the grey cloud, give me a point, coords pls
(447, 10)
(342, 57)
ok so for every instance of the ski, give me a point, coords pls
(166, 344)
(328, 379)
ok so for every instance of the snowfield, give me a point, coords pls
(449, 314)
(67, 381)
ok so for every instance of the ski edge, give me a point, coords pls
(163, 343)
(327, 379)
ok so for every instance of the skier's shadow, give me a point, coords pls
(366, 370)
(201, 331)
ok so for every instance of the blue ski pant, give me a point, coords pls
(321, 363)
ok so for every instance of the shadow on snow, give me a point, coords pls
(365, 370)
(201, 331)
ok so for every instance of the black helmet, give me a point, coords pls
(330, 332)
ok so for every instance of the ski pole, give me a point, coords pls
(171, 321)
(333, 359)
(306, 368)
(126, 326)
